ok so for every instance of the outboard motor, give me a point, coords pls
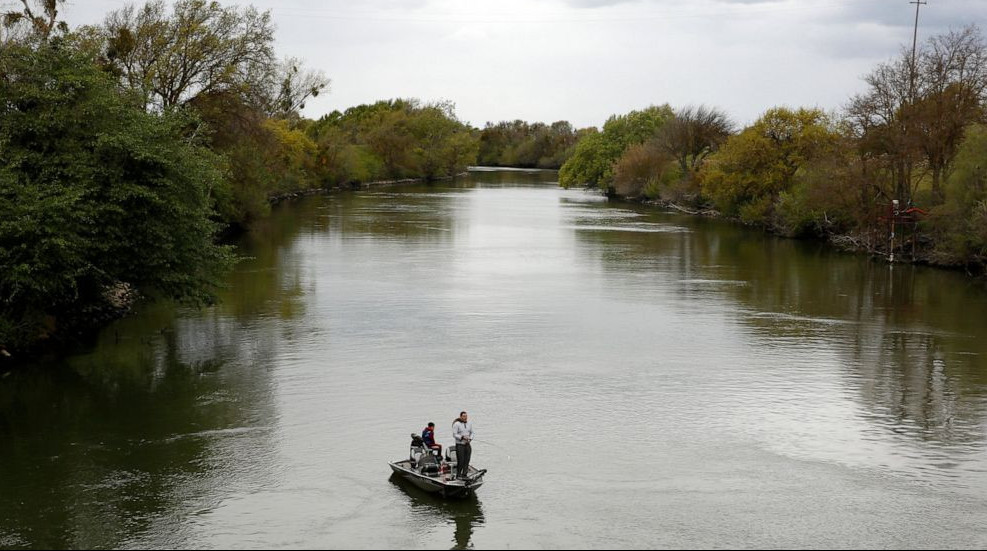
(429, 465)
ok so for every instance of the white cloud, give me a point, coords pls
(582, 60)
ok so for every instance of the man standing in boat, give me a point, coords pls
(462, 431)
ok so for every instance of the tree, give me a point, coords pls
(753, 168)
(290, 87)
(400, 138)
(432, 128)
(95, 195)
(219, 62)
(952, 80)
(641, 170)
(42, 19)
(914, 117)
(961, 223)
(693, 134)
(527, 145)
(592, 162)
(882, 129)
(201, 48)
(830, 194)
(386, 133)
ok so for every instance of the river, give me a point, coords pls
(636, 378)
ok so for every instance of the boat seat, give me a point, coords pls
(417, 449)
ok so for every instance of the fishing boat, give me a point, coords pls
(431, 473)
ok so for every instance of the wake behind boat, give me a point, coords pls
(430, 473)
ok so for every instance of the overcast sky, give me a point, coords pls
(583, 60)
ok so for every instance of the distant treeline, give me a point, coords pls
(528, 145)
(909, 152)
(387, 140)
(390, 140)
(125, 147)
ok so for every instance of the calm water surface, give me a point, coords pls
(636, 378)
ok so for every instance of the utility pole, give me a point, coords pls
(911, 84)
(905, 123)
(895, 206)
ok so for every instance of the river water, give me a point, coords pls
(636, 378)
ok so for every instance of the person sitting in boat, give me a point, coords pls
(428, 436)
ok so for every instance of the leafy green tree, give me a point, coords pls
(752, 169)
(96, 196)
(440, 141)
(829, 195)
(960, 225)
(263, 157)
(638, 126)
(392, 139)
(520, 144)
(592, 162)
(219, 61)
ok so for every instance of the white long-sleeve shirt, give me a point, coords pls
(461, 431)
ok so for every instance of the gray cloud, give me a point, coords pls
(605, 3)
(598, 3)
(582, 60)
(935, 16)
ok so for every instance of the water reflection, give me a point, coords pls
(163, 415)
(427, 509)
(409, 214)
(94, 455)
(904, 339)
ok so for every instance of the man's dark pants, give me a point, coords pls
(463, 453)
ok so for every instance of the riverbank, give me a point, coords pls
(857, 243)
(352, 186)
(62, 334)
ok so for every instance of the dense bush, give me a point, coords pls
(96, 195)
(593, 161)
(960, 224)
(644, 170)
(753, 169)
(524, 145)
(390, 140)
